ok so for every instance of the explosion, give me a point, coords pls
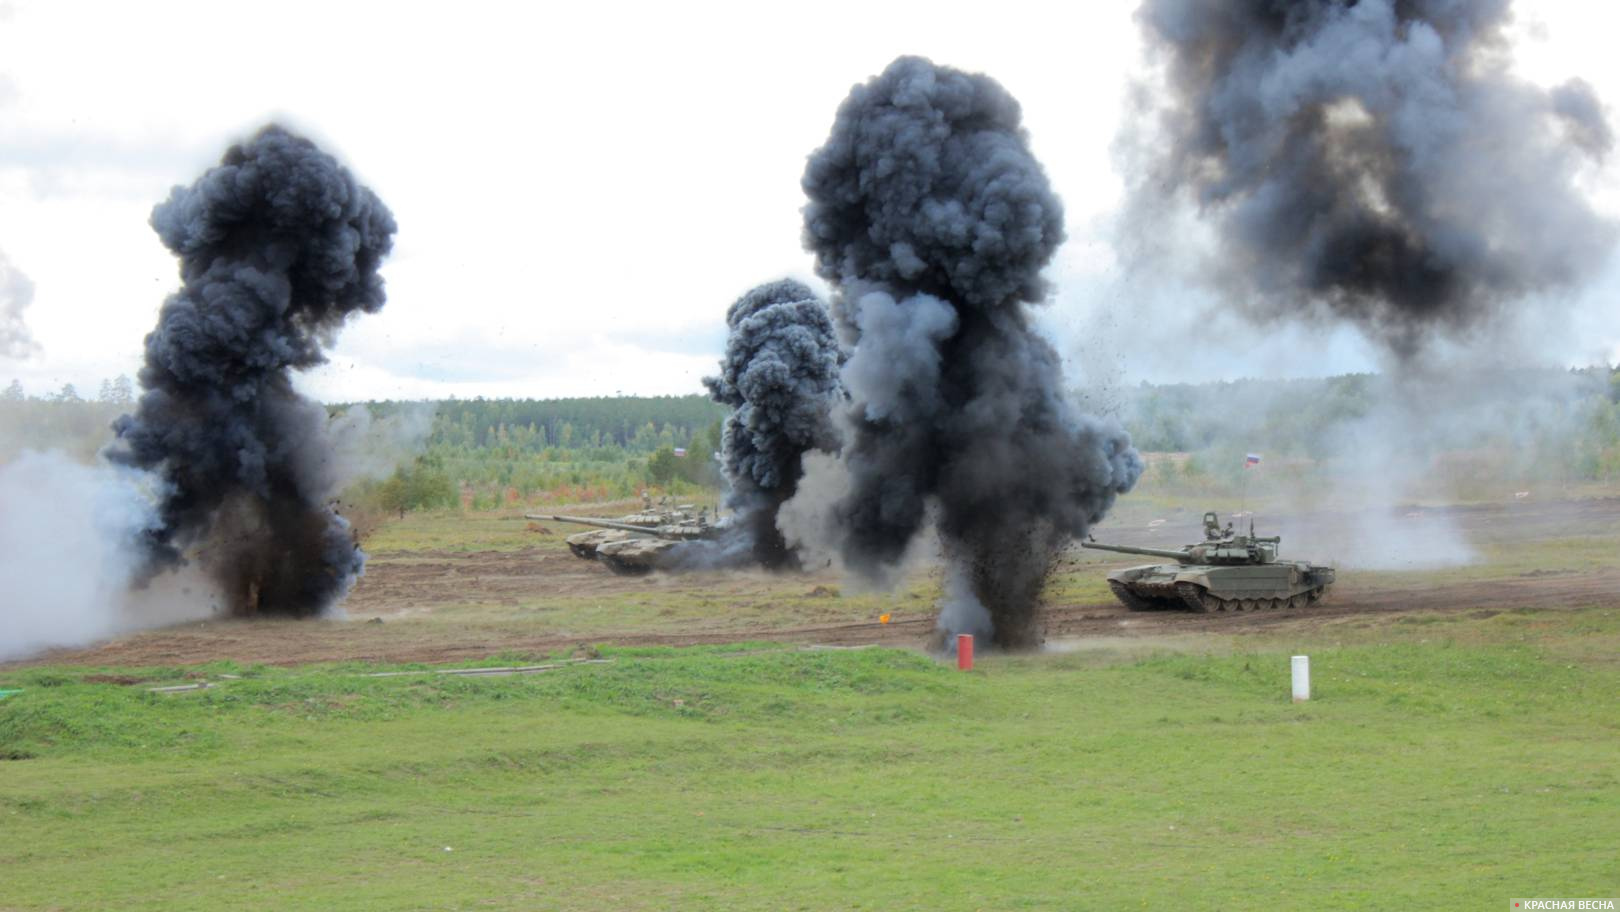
(279, 246)
(780, 376)
(932, 220)
(1373, 162)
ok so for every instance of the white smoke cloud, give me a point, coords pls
(361, 446)
(16, 293)
(71, 563)
(68, 553)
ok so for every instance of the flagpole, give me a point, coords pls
(1250, 460)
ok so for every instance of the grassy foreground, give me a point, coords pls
(1446, 763)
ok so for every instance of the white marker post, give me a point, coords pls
(1302, 678)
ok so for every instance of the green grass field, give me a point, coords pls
(1447, 762)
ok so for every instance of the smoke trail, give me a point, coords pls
(1373, 162)
(278, 246)
(780, 375)
(932, 219)
(16, 293)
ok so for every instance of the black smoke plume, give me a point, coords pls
(933, 221)
(780, 376)
(279, 245)
(1374, 161)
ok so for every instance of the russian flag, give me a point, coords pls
(1251, 460)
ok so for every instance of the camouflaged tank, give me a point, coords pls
(584, 544)
(1224, 572)
(641, 549)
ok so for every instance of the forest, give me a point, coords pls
(489, 453)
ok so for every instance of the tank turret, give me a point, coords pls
(1222, 547)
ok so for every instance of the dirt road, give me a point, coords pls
(533, 598)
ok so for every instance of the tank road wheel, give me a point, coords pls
(1298, 601)
(1194, 597)
(1130, 599)
(1317, 594)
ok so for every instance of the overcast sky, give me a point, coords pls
(582, 191)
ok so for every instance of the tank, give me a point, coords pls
(640, 549)
(584, 544)
(1226, 571)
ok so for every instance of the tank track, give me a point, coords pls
(1197, 599)
(624, 568)
(1131, 600)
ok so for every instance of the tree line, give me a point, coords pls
(484, 453)
(637, 424)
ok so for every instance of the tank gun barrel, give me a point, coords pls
(686, 530)
(589, 521)
(1180, 556)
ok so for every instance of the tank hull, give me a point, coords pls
(629, 547)
(584, 544)
(1204, 588)
(635, 556)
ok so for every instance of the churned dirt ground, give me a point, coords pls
(453, 588)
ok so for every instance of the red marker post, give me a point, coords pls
(964, 652)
